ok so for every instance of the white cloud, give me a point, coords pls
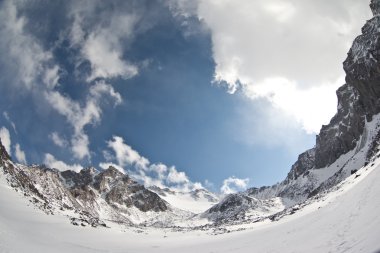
(125, 155)
(5, 139)
(280, 10)
(20, 155)
(103, 46)
(304, 105)
(58, 140)
(259, 124)
(284, 50)
(51, 162)
(106, 61)
(37, 71)
(6, 116)
(141, 169)
(176, 177)
(29, 57)
(100, 88)
(233, 185)
(80, 116)
(51, 77)
(160, 169)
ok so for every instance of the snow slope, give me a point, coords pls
(345, 220)
(196, 201)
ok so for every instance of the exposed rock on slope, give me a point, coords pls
(91, 195)
(358, 98)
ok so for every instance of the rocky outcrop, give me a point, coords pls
(358, 98)
(344, 130)
(3, 153)
(305, 162)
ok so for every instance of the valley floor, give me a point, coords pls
(346, 220)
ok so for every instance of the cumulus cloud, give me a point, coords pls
(51, 162)
(20, 155)
(125, 155)
(5, 139)
(177, 177)
(233, 185)
(284, 51)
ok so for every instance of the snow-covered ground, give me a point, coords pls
(345, 220)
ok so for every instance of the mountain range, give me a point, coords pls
(108, 197)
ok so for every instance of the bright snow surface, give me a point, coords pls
(345, 220)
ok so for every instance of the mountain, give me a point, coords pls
(195, 201)
(89, 197)
(345, 219)
(342, 147)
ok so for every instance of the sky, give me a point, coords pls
(218, 94)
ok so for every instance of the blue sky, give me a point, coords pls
(175, 93)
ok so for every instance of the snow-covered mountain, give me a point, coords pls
(90, 197)
(343, 219)
(195, 201)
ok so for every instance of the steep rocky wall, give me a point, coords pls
(358, 99)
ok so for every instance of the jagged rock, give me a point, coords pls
(305, 162)
(3, 153)
(129, 193)
(231, 202)
(344, 130)
(105, 179)
(84, 177)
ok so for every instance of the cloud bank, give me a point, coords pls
(288, 52)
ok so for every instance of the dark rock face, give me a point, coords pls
(358, 99)
(344, 130)
(231, 202)
(129, 193)
(362, 65)
(3, 153)
(375, 7)
(305, 162)
(84, 177)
